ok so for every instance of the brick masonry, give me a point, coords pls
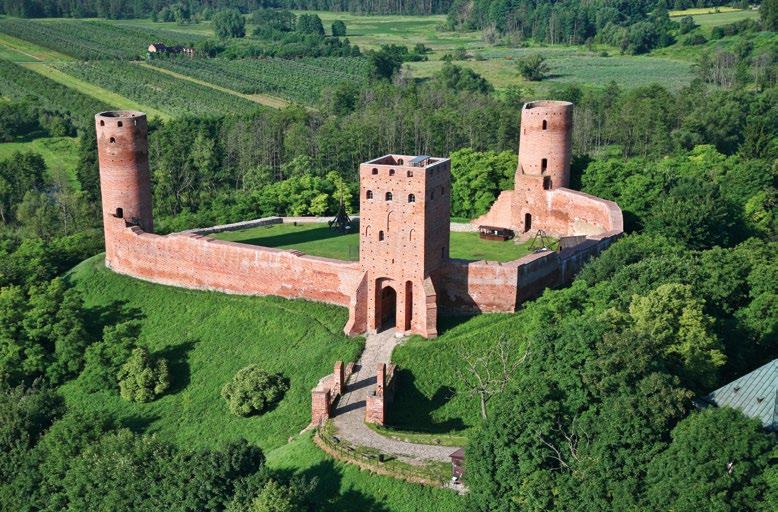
(404, 274)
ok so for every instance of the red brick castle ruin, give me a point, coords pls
(404, 274)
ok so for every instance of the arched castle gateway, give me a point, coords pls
(404, 274)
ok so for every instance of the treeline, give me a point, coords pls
(118, 9)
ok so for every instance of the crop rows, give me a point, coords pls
(159, 90)
(18, 83)
(297, 80)
(91, 40)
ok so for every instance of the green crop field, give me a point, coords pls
(207, 337)
(60, 154)
(708, 21)
(89, 40)
(161, 91)
(320, 240)
(300, 80)
(373, 31)
(570, 65)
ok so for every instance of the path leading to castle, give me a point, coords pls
(350, 412)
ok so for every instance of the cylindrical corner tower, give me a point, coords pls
(545, 143)
(125, 181)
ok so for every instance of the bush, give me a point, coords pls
(338, 28)
(533, 67)
(142, 378)
(252, 390)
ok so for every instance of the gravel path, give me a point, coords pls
(350, 411)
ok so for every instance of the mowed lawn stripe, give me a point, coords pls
(110, 97)
(262, 99)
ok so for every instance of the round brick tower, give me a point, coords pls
(545, 143)
(125, 181)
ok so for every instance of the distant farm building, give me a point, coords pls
(162, 49)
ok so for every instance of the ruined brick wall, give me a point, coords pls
(490, 287)
(194, 261)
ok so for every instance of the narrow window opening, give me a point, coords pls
(380, 236)
(400, 161)
(375, 171)
(102, 123)
(432, 195)
(119, 213)
(545, 124)
(543, 164)
(411, 198)
(410, 174)
(443, 252)
(527, 222)
(547, 183)
(391, 172)
(119, 124)
(388, 196)
(112, 140)
(369, 194)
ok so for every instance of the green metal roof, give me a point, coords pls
(755, 394)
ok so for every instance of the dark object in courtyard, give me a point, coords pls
(494, 233)
(341, 222)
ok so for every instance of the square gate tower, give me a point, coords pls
(404, 221)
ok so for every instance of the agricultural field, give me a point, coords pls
(373, 31)
(297, 80)
(320, 240)
(208, 337)
(91, 40)
(18, 82)
(161, 91)
(569, 65)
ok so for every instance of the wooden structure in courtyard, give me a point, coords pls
(495, 233)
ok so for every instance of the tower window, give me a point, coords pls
(411, 198)
(545, 124)
(388, 196)
(391, 172)
(442, 190)
(443, 252)
(543, 164)
(369, 194)
(547, 183)
(410, 174)
(102, 123)
(432, 195)
(119, 213)
(380, 236)
(112, 140)
(400, 161)
(119, 124)
(375, 171)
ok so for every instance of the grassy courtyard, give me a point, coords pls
(320, 240)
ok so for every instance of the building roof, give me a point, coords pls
(419, 160)
(459, 454)
(754, 394)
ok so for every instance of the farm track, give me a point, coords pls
(262, 99)
(112, 98)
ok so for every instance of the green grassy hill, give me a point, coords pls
(207, 337)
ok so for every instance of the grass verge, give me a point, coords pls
(441, 439)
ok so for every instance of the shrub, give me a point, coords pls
(104, 359)
(338, 28)
(252, 390)
(142, 378)
(533, 67)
